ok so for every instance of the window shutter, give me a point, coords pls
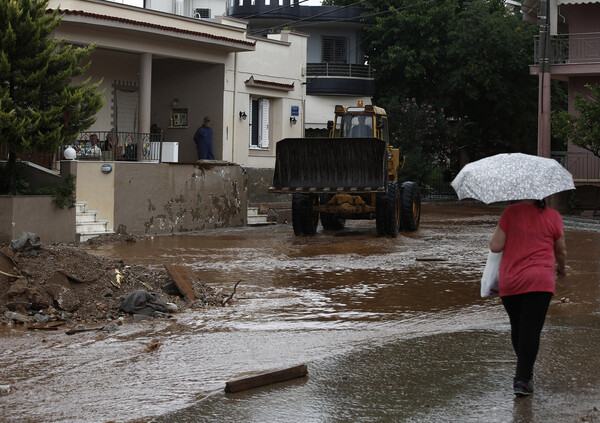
(263, 110)
(250, 113)
(334, 49)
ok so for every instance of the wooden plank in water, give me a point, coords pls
(430, 259)
(266, 378)
(183, 277)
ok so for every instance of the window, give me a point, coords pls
(334, 50)
(201, 13)
(259, 123)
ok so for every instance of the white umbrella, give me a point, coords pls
(512, 176)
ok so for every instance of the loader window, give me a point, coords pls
(357, 126)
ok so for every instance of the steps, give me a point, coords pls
(87, 223)
(256, 219)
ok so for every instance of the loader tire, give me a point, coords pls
(330, 221)
(387, 212)
(411, 207)
(304, 218)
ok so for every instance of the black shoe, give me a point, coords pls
(522, 388)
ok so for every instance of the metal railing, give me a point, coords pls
(436, 185)
(339, 69)
(571, 48)
(111, 145)
(585, 167)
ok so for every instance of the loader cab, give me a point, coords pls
(359, 122)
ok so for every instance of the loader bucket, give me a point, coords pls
(323, 165)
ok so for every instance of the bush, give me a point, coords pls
(64, 194)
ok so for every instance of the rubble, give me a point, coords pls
(62, 282)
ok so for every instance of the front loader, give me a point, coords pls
(352, 174)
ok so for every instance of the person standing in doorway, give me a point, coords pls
(530, 235)
(203, 140)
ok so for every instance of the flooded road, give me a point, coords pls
(391, 330)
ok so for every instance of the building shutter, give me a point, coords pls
(127, 109)
(263, 119)
(334, 50)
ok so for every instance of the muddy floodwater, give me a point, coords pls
(392, 330)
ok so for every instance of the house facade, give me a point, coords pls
(161, 74)
(572, 55)
(335, 68)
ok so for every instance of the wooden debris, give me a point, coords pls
(226, 300)
(73, 331)
(152, 346)
(46, 326)
(266, 378)
(9, 275)
(183, 277)
(430, 259)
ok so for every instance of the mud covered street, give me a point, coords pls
(391, 330)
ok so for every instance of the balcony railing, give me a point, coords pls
(571, 48)
(585, 167)
(111, 145)
(339, 69)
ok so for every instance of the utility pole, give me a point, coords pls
(545, 79)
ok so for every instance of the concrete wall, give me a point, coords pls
(37, 214)
(173, 198)
(158, 198)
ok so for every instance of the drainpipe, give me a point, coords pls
(145, 98)
(234, 120)
(545, 80)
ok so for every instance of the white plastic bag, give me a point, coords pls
(489, 279)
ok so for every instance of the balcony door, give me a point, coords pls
(126, 124)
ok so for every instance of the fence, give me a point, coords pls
(571, 48)
(339, 69)
(585, 167)
(111, 145)
(101, 145)
(436, 185)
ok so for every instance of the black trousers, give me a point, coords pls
(527, 313)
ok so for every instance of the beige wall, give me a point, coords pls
(37, 214)
(95, 187)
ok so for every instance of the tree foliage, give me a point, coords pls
(423, 135)
(40, 107)
(582, 130)
(468, 57)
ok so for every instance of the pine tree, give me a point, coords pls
(40, 107)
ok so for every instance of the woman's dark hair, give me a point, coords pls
(541, 203)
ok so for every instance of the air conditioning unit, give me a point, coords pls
(202, 13)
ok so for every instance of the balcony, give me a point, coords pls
(111, 145)
(571, 49)
(339, 78)
(292, 10)
(585, 167)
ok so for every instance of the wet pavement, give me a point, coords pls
(391, 330)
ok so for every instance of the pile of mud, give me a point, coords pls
(63, 282)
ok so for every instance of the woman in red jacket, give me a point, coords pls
(530, 234)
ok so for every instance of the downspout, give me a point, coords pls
(545, 81)
(233, 121)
